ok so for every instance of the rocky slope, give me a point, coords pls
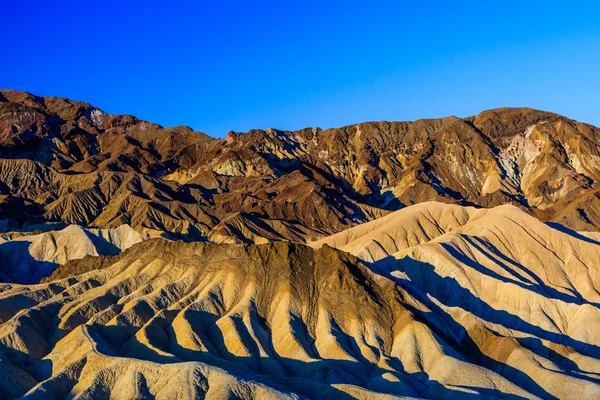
(469, 303)
(67, 161)
(27, 257)
(444, 258)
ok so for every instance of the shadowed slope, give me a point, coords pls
(28, 257)
(504, 283)
(67, 161)
(292, 319)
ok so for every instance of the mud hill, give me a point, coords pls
(511, 312)
(443, 258)
(28, 257)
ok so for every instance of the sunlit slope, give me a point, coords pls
(67, 161)
(407, 227)
(491, 302)
(516, 289)
(27, 257)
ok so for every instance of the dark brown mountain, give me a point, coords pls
(67, 161)
(434, 300)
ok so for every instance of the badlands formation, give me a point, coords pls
(69, 162)
(447, 302)
(446, 258)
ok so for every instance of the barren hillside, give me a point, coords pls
(443, 258)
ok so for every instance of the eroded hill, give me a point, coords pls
(443, 258)
(467, 303)
(67, 161)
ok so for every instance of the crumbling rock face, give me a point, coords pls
(463, 302)
(68, 161)
(443, 258)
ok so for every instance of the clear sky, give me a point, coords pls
(236, 65)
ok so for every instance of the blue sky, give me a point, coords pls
(236, 65)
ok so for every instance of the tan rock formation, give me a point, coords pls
(470, 302)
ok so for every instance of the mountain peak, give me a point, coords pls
(319, 181)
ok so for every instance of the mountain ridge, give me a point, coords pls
(233, 132)
(100, 170)
(452, 257)
(448, 316)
